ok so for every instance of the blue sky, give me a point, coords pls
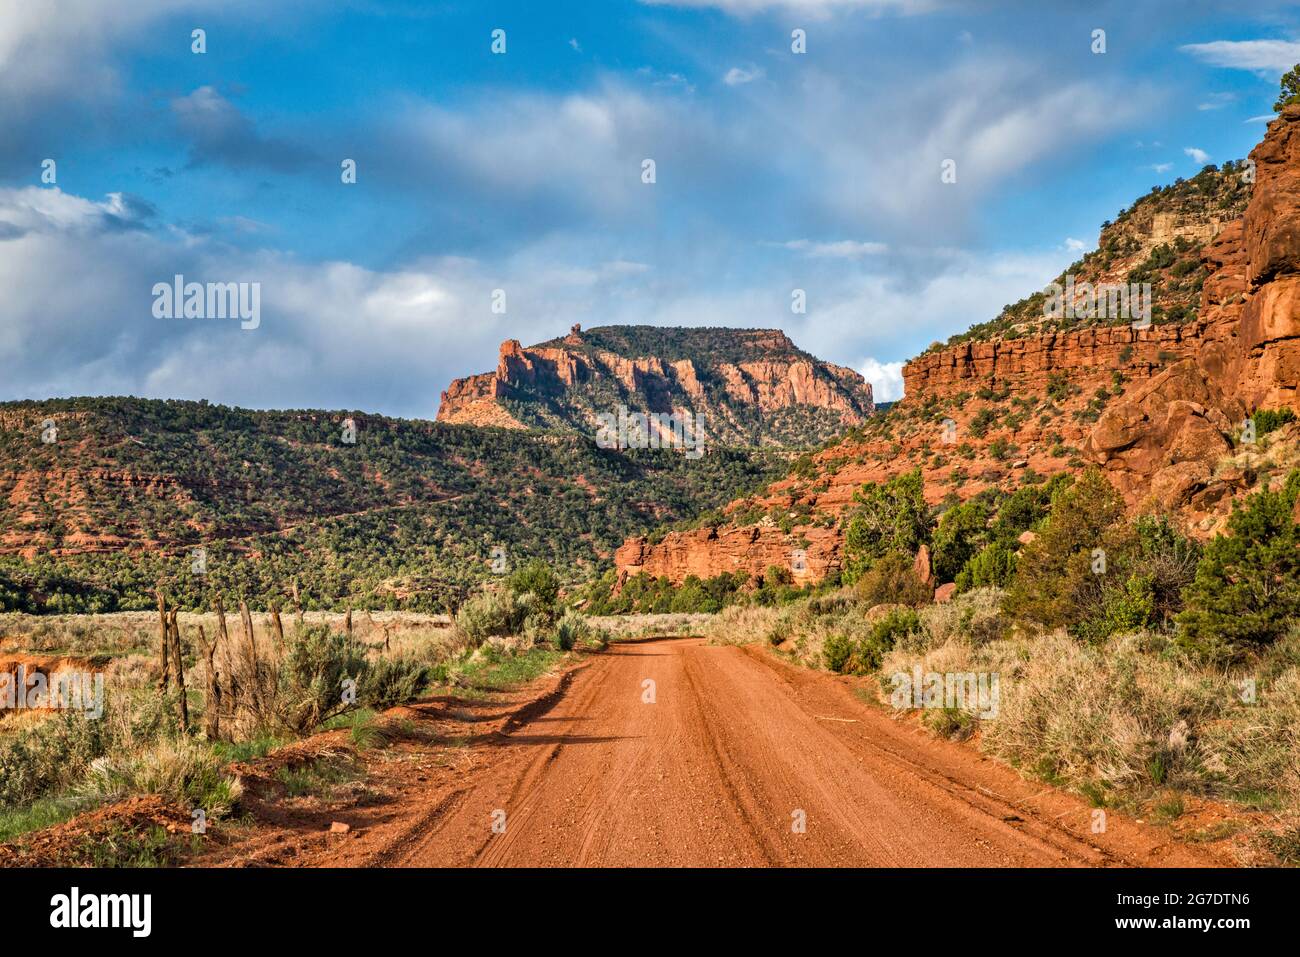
(522, 171)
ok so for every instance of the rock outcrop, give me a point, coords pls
(748, 384)
(1159, 408)
(728, 548)
(1161, 444)
(1085, 357)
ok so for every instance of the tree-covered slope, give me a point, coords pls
(403, 516)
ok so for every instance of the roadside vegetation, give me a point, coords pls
(327, 674)
(1135, 666)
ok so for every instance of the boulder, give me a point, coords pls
(921, 566)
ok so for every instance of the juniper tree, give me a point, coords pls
(1247, 586)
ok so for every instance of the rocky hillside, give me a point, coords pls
(753, 387)
(101, 498)
(1160, 240)
(1160, 408)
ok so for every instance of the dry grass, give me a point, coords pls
(136, 632)
(54, 764)
(799, 630)
(1127, 723)
(628, 627)
(1128, 720)
(741, 624)
(183, 770)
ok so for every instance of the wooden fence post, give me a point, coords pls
(256, 677)
(163, 658)
(212, 695)
(279, 628)
(223, 637)
(178, 665)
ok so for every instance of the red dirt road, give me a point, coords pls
(735, 749)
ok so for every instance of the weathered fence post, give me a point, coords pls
(256, 678)
(212, 694)
(178, 665)
(163, 657)
(223, 636)
(279, 628)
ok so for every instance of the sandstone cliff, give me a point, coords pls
(752, 387)
(1161, 409)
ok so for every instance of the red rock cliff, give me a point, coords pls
(1158, 408)
(742, 394)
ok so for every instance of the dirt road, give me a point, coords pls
(675, 752)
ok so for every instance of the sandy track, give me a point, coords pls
(735, 747)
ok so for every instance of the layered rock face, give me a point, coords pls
(1168, 444)
(1270, 321)
(1160, 409)
(1085, 357)
(749, 385)
(706, 552)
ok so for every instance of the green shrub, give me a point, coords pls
(570, 630)
(1267, 420)
(184, 771)
(538, 579)
(898, 625)
(310, 687)
(993, 566)
(836, 651)
(959, 535)
(1149, 564)
(493, 614)
(389, 682)
(892, 579)
(50, 755)
(889, 518)
(1247, 586)
(1290, 89)
(1054, 585)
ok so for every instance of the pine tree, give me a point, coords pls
(1290, 89)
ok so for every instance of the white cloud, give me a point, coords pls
(1279, 55)
(1264, 118)
(1075, 245)
(573, 42)
(1161, 167)
(588, 146)
(32, 209)
(841, 249)
(986, 115)
(70, 49)
(738, 76)
(1199, 155)
(886, 379)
